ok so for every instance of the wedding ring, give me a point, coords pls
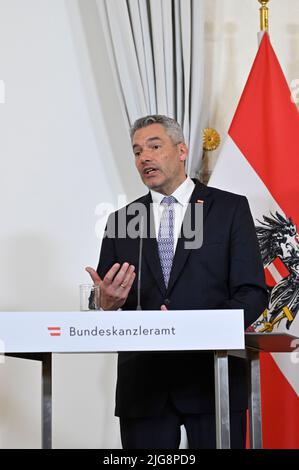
(123, 286)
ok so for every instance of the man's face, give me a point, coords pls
(159, 162)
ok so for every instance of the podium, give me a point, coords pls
(221, 331)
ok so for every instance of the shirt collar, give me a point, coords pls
(182, 193)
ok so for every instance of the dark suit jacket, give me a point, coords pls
(226, 272)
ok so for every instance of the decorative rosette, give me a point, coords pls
(211, 139)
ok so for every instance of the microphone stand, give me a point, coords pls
(139, 265)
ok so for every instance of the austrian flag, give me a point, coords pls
(260, 159)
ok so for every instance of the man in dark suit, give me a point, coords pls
(158, 392)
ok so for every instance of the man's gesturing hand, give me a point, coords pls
(115, 286)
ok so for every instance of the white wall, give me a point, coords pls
(56, 165)
(63, 150)
(20, 404)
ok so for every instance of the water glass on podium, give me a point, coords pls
(89, 297)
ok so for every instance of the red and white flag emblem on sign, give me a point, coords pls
(260, 159)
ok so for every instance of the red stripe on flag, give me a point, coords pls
(280, 406)
(281, 267)
(270, 281)
(247, 430)
(266, 129)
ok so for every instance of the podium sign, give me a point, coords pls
(100, 331)
(221, 331)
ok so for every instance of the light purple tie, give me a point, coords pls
(165, 236)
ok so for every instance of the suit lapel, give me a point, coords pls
(201, 195)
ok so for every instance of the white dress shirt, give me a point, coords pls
(182, 195)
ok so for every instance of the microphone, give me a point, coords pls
(139, 265)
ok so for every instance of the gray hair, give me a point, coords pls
(171, 126)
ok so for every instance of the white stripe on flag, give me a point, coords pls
(234, 173)
(274, 273)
